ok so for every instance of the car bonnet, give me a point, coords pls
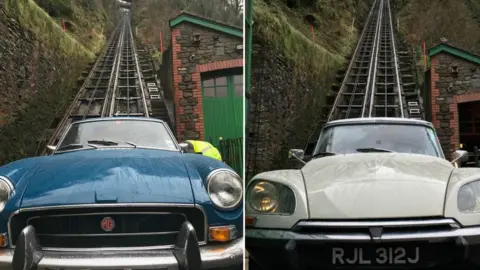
(109, 176)
(376, 185)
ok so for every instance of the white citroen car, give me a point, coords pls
(377, 193)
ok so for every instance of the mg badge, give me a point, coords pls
(107, 224)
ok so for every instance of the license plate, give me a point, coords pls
(376, 256)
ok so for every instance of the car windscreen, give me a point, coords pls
(108, 133)
(347, 139)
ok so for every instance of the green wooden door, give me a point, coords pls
(223, 116)
(223, 107)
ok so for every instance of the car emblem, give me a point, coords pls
(107, 224)
(376, 233)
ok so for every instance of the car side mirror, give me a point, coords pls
(297, 154)
(51, 149)
(460, 156)
(183, 146)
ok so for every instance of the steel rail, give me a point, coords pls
(94, 92)
(376, 50)
(99, 79)
(115, 70)
(117, 73)
(82, 90)
(397, 71)
(381, 71)
(99, 95)
(140, 79)
(359, 44)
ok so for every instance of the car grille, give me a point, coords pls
(133, 226)
(363, 226)
(319, 255)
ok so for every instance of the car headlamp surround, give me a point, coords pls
(468, 197)
(277, 198)
(6, 191)
(237, 187)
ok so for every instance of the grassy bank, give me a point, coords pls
(47, 61)
(281, 28)
(34, 18)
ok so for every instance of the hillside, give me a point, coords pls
(41, 64)
(293, 71)
(431, 20)
(151, 17)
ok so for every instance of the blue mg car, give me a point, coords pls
(120, 193)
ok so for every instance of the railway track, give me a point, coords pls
(114, 87)
(373, 86)
(377, 82)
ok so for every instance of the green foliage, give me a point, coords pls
(56, 8)
(32, 17)
(425, 21)
(302, 51)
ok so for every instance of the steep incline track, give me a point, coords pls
(115, 86)
(379, 80)
(372, 86)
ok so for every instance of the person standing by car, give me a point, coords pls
(205, 148)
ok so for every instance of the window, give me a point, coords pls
(400, 138)
(238, 83)
(223, 86)
(154, 134)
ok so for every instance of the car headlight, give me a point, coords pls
(6, 190)
(468, 197)
(269, 197)
(225, 189)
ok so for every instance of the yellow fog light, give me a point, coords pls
(3, 240)
(223, 233)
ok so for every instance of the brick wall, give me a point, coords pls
(448, 90)
(216, 51)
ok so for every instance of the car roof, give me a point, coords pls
(378, 120)
(123, 118)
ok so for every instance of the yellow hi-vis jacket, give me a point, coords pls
(206, 149)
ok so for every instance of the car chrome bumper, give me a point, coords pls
(363, 237)
(186, 255)
(262, 245)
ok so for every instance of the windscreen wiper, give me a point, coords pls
(372, 149)
(73, 146)
(132, 144)
(103, 142)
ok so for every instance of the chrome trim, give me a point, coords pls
(133, 205)
(101, 119)
(105, 147)
(107, 213)
(255, 212)
(216, 256)
(362, 237)
(223, 170)
(9, 230)
(113, 205)
(362, 224)
(9, 183)
(379, 120)
(106, 234)
(146, 248)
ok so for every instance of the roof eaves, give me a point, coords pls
(208, 23)
(461, 53)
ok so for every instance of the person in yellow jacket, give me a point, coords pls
(206, 148)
